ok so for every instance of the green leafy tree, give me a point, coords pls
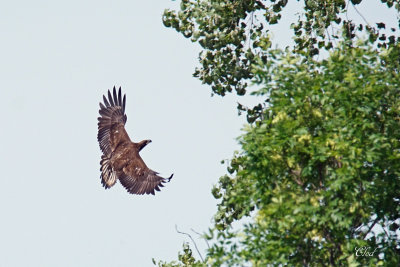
(319, 170)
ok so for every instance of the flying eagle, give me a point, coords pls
(121, 159)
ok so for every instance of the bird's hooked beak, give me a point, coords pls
(143, 143)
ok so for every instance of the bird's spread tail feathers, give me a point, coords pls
(108, 175)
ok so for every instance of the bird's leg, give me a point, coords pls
(143, 143)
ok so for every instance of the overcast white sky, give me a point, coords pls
(57, 59)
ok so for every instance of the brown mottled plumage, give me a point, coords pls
(121, 159)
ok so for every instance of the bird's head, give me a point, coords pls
(143, 143)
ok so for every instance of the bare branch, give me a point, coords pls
(359, 13)
(195, 245)
(208, 245)
(370, 227)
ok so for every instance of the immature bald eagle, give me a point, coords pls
(121, 159)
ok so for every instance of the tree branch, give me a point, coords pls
(195, 245)
(370, 227)
(208, 245)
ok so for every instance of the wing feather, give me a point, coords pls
(116, 102)
(110, 99)
(106, 102)
(123, 103)
(120, 98)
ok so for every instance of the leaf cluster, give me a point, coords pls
(185, 259)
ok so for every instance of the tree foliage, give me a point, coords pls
(184, 259)
(319, 170)
(234, 34)
(322, 167)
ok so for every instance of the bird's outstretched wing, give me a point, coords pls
(111, 130)
(138, 179)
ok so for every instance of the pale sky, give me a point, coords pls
(57, 60)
